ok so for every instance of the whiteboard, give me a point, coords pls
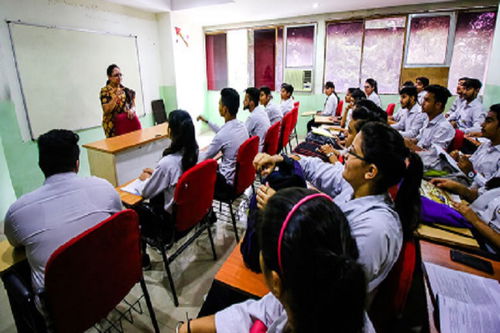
(61, 72)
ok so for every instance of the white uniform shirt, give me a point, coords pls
(376, 227)
(398, 114)
(240, 317)
(273, 112)
(63, 207)
(469, 116)
(228, 140)
(457, 105)
(257, 124)
(330, 105)
(487, 206)
(438, 131)
(420, 97)
(375, 99)
(286, 106)
(411, 122)
(164, 179)
(486, 163)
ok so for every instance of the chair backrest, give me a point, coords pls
(457, 142)
(296, 104)
(392, 293)
(390, 109)
(123, 125)
(159, 114)
(295, 118)
(194, 194)
(340, 106)
(271, 142)
(286, 129)
(245, 172)
(86, 277)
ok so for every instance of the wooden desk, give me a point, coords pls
(235, 274)
(128, 198)
(121, 158)
(323, 120)
(308, 113)
(9, 256)
(440, 255)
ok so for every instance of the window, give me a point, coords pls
(279, 58)
(429, 40)
(299, 56)
(343, 54)
(473, 39)
(216, 56)
(264, 55)
(383, 52)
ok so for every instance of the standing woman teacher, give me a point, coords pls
(118, 105)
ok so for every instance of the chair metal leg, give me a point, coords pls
(211, 242)
(220, 206)
(296, 136)
(150, 306)
(290, 145)
(234, 222)
(169, 275)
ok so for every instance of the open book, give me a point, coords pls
(466, 302)
(135, 187)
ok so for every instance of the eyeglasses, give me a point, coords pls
(351, 152)
(367, 87)
(117, 75)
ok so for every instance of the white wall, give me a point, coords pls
(84, 14)
(493, 76)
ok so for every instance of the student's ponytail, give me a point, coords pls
(374, 84)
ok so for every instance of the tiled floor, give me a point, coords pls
(193, 272)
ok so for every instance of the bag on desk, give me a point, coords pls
(434, 212)
(289, 175)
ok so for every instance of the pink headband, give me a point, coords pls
(289, 216)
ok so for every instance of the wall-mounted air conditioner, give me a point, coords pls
(300, 79)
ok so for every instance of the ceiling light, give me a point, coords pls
(315, 5)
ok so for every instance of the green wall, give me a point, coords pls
(7, 195)
(169, 96)
(491, 95)
(22, 157)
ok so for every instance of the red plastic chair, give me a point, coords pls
(296, 104)
(293, 131)
(392, 293)
(286, 130)
(245, 173)
(124, 125)
(390, 109)
(458, 141)
(340, 107)
(271, 142)
(192, 206)
(89, 275)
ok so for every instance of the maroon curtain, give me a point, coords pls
(216, 53)
(265, 50)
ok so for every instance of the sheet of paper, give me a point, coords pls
(464, 287)
(460, 317)
(441, 152)
(135, 187)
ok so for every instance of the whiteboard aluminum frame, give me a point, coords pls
(60, 27)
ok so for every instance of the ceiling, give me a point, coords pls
(231, 11)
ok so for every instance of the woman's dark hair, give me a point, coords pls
(288, 88)
(109, 71)
(366, 109)
(384, 146)
(58, 151)
(358, 95)
(183, 138)
(373, 83)
(408, 84)
(423, 80)
(330, 84)
(323, 284)
(493, 183)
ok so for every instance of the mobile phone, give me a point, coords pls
(474, 262)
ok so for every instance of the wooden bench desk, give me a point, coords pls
(9, 256)
(121, 158)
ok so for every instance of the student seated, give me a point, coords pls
(485, 162)
(484, 214)
(286, 93)
(396, 116)
(469, 117)
(412, 118)
(377, 160)
(371, 91)
(227, 140)
(273, 111)
(308, 258)
(257, 122)
(63, 207)
(421, 83)
(331, 102)
(352, 97)
(436, 129)
(458, 102)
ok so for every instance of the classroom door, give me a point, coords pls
(264, 52)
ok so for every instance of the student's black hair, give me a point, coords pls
(372, 83)
(351, 89)
(330, 84)
(495, 108)
(231, 99)
(410, 91)
(473, 83)
(492, 183)
(424, 80)
(253, 93)
(265, 90)
(384, 146)
(288, 88)
(322, 281)
(366, 109)
(464, 78)
(109, 71)
(58, 151)
(441, 94)
(358, 95)
(408, 84)
(183, 138)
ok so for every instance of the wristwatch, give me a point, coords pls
(330, 154)
(471, 174)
